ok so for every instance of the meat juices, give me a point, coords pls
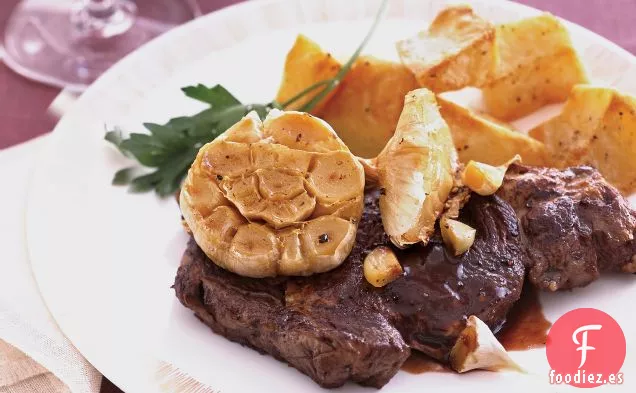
(569, 226)
(336, 327)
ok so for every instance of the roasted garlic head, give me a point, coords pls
(279, 197)
(416, 171)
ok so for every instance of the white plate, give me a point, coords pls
(105, 259)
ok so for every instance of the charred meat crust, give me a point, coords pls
(325, 343)
(336, 327)
(569, 226)
(575, 225)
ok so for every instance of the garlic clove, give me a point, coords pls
(457, 235)
(381, 267)
(486, 179)
(478, 348)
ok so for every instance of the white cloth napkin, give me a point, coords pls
(51, 364)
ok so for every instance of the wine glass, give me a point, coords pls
(69, 43)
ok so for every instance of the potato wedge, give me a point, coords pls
(456, 51)
(480, 139)
(537, 65)
(549, 80)
(306, 64)
(521, 42)
(596, 127)
(567, 136)
(365, 110)
(613, 150)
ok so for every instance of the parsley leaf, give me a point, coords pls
(218, 97)
(172, 147)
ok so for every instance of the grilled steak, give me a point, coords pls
(574, 224)
(336, 327)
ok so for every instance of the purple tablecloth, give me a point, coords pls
(23, 103)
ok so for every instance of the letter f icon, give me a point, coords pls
(583, 344)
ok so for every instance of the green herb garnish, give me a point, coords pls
(172, 147)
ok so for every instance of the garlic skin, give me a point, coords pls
(279, 197)
(416, 171)
(478, 348)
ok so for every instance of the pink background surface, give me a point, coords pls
(23, 103)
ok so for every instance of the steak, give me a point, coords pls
(575, 225)
(336, 327)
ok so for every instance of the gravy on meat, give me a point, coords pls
(526, 326)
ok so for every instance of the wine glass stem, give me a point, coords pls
(100, 8)
(103, 18)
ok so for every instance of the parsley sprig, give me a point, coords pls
(172, 147)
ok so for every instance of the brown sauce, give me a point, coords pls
(419, 363)
(526, 326)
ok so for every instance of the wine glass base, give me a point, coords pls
(42, 43)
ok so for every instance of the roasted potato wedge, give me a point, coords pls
(365, 110)
(305, 65)
(537, 65)
(596, 127)
(456, 51)
(480, 139)
(568, 135)
(548, 80)
(521, 42)
(613, 146)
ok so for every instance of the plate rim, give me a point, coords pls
(92, 93)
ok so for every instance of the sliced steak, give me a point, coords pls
(336, 327)
(574, 224)
(332, 340)
(440, 291)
